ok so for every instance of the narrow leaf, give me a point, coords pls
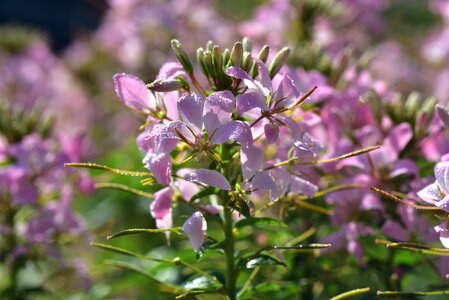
(143, 230)
(105, 168)
(260, 260)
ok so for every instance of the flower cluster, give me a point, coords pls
(223, 129)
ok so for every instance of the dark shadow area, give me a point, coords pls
(61, 20)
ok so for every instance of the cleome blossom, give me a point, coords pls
(224, 129)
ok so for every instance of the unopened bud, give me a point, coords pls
(165, 85)
(247, 61)
(263, 54)
(226, 56)
(279, 60)
(200, 59)
(411, 104)
(207, 57)
(210, 46)
(247, 44)
(216, 58)
(237, 54)
(182, 56)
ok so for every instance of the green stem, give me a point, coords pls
(12, 243)
(231, 276)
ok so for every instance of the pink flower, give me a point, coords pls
(195, 227)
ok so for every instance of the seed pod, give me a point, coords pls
(279, 60)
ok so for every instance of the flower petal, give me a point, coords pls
(170, 70)
(264, 181)
(238, 73)
(195, 227)
(133, 92)
(397, 139)
(218, 109)
(271, 133)
(161, 207)
(166, 135)
(302, 186)
(444, 234)
(234, 130)
(443, 113)
(287, 91)
(405, 167)
(430, 193)
(209, 177)
(160, 166)
(264, 75)
(442, 176)
(250, 100)
(395, 230)
(251, 159)
(308, 145)
(190, 108)
(443, 204)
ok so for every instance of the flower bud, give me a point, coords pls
(182, 56)
(200, 59)
(411, 104)
(247, 61)
(279, 60)
(237, 54)
(217, 59)
(165, 85)
(263, 54)
(207, 57)
(210, 46)
(226, 56)
(247, 44)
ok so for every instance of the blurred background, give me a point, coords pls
(61, 56)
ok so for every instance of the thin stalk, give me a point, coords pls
(351, 293)
(231, 276)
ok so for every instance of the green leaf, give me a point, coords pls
(199, 283)
(260, 260)
(260, 222)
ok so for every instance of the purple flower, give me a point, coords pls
(161, 209)
(195, 227)
(134, 93)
